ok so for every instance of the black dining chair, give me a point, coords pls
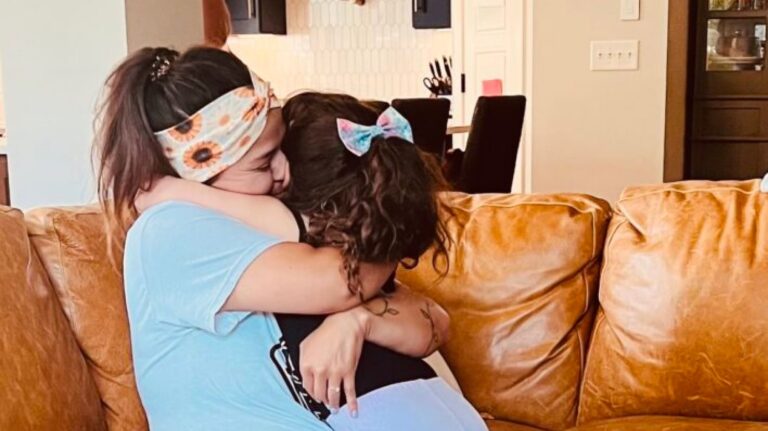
(488, 164)
(429, 121)
(377, 105)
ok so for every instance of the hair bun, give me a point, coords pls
(161, 65)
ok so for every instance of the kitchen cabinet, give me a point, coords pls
(728, 134)
(258, 16)
(431, 14)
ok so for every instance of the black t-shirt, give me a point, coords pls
(378, 366)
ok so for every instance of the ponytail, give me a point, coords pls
(127, 153)
(152, 90)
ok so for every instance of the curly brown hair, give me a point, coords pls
(380, 207)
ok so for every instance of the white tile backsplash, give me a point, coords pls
(370, 51)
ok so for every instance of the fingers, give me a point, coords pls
(309, 378)
(349, 391)
(334, 392)
(320, 391)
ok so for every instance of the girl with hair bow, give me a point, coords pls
(251, 313)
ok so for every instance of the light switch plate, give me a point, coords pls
(614, 55)
(630, 10)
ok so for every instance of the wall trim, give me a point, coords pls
(527, 144)
(678, 86)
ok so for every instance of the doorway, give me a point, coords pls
(489, 46)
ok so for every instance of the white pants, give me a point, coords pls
(419, 405)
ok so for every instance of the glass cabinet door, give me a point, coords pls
(728, 133)
(730, 48)
(735, 44)
(738, 5)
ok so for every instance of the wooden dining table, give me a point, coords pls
(455, 130)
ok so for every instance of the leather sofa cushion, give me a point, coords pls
(521, 291)
(667, 423)
(683, 326)
(508, 426)
(44, 381)
(72, 245)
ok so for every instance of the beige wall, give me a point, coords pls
(596, 132)
(2, 106)
(174, 23)
(56, 57)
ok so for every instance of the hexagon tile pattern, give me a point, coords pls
(370, 51)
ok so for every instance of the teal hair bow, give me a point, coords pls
(358, 138)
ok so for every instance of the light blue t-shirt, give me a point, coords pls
(198, 369)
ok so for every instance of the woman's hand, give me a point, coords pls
(329, 358)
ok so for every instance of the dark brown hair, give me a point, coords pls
(380, 207)
(152, 90)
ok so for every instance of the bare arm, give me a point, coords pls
(297, 278)
(261, 212)
(287, 278)
(405, 321)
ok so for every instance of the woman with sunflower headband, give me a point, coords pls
(245, 312)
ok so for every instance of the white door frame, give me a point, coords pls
(521, 16)
(526, 147)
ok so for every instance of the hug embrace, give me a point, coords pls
(261, 245)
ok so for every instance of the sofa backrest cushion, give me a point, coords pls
(44, 381)
(73, 247)
(683, 324)
(521, 291)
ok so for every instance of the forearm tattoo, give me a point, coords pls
(387, 309)
(434, 340)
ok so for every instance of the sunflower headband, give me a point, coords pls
(218, 135)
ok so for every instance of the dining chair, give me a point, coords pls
(488, 164)
(377, 105)
(429, 121)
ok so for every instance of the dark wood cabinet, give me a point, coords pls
(258, 16)
(5, 192)
(728, 133)
(431, 14)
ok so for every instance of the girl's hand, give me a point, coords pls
(329, 358)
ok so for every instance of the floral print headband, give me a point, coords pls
(218, 135)
(358, 138)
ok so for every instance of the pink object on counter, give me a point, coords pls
(492, 87)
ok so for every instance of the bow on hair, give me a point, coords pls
(358, 138)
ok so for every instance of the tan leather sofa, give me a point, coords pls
(566, 314)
